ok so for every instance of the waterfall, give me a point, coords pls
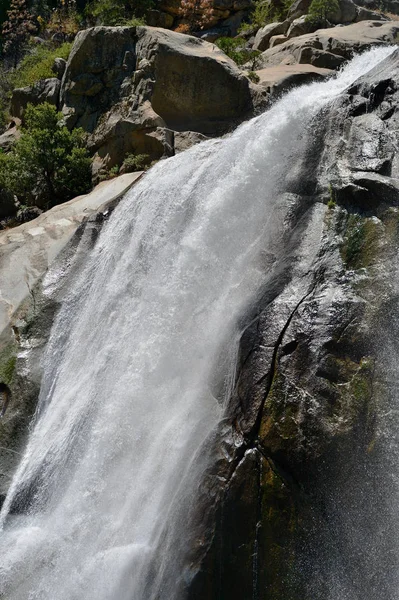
(141, 358)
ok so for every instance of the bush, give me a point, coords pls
(64, 19)
(117, 12)
(235, 50)
(321, 10)
(254, 77)
(48, 164)
(135, 162)
(37, 65)
(265, 12)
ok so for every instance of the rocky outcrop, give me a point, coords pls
(130, 88)
(264, 34)
(59, 67)
(45, 90)
(329, 48)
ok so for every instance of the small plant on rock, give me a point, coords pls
(117, 12)
(135, 162)
(235, 49)
(254, 77)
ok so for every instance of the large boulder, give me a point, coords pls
(58, 67)
(128, 87)
(44, 90)
(280, 79)
(264, 34)
(195, 83)
(342, 42)
(298, 8)
(301, 26)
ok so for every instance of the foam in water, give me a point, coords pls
(128, 395)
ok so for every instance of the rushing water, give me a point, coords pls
(141, 358)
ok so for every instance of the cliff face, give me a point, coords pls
(298, 484)
(300, 500)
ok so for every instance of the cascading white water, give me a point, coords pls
(128, 392)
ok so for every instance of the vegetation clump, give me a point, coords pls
(48, 164)
(265, 12)
(117, 12)
(320, 11)
(235, 49)
(38, 64)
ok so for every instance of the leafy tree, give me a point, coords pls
(321, 10)
(16, 30)
(48, 164)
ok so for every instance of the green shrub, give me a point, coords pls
(261, 14)
(265, 12)
(37, 65)
(135, 162)
(254, 77)
(117, 12)
(48, 164)
(235, 50)
(321, 10)
(135, 22)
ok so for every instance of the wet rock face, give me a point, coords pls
(299, 503)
